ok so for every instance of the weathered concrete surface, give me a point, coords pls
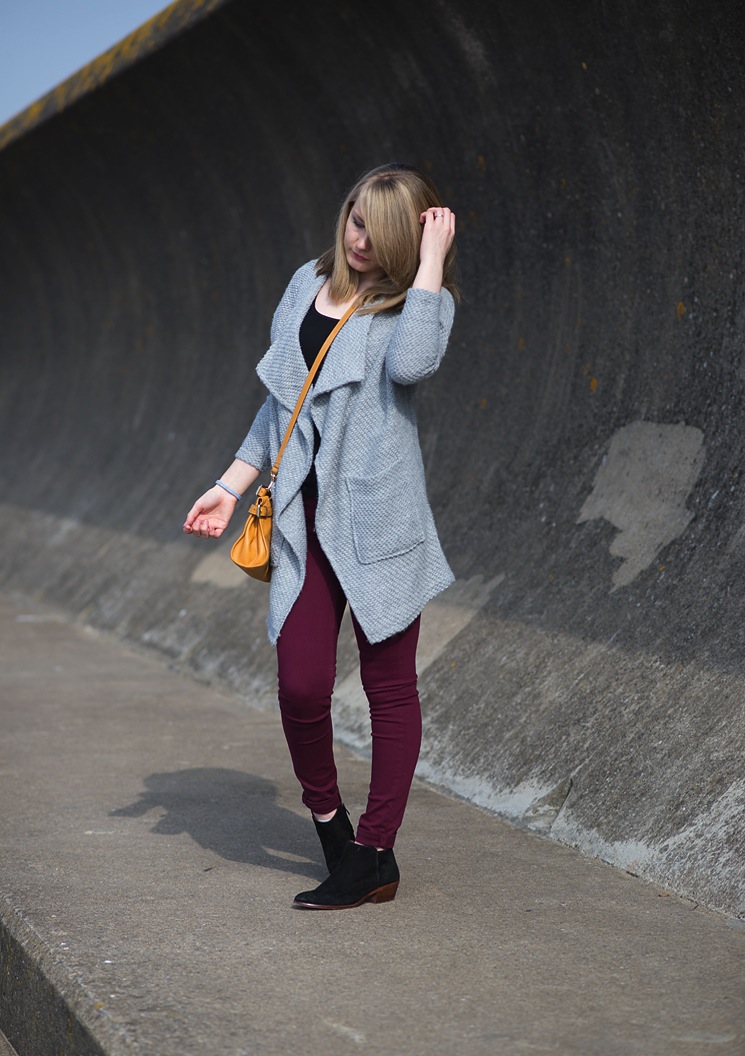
(6, 1049)
(152, 842)
(587, 674)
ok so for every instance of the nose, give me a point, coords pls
(363, 242)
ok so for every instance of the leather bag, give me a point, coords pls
(252, 549)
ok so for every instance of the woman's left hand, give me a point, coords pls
(437, 238)
(438, 234)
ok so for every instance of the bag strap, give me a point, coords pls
(308, 382)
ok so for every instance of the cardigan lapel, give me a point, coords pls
(345, 360)
(283, 369)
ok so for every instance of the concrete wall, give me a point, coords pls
(583, 439)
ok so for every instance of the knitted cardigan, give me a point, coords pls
(373, 519)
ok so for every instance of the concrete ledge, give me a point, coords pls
(152, 844)
(33, 1012)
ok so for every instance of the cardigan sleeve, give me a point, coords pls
(421, 336)
(255, 447)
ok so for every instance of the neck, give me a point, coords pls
(366, 282)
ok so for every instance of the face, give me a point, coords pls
(358, 247)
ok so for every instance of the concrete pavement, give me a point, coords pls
(152, 842)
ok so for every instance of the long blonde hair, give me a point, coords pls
(392, 198)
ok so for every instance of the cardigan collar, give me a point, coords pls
(283, 369)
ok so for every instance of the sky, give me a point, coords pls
(42, 42)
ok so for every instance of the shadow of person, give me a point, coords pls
(232, 813)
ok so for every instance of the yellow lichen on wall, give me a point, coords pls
(150, 36)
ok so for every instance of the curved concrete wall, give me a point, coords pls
(583, 439)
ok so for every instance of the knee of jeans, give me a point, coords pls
(392, 694)
(304, 696)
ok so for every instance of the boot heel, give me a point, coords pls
(385, 894)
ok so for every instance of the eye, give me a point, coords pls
(358, 223)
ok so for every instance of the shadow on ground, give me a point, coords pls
(233, 814)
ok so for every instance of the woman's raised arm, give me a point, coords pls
(437, 238)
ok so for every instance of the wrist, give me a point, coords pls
(429, 276)
(226, 487)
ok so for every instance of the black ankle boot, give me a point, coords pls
(334, 836)
(363, 875)
(388, 868)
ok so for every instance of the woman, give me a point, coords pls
(351, 519)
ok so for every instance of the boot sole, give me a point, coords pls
(386, 893)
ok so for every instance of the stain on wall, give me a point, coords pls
(641, 487)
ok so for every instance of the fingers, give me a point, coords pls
(210, 531)
(192, 515)
(194, 524)
(439, 216)
(439, 229)
(437, 235)
(209, 515)
(203, 527)
(199, 523)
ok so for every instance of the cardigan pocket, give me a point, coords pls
(384, 521)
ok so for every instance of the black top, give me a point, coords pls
(314, 330)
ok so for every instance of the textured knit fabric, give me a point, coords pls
(373, 519)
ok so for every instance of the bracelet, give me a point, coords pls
(229, 490)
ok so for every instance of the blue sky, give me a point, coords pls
(43, 41)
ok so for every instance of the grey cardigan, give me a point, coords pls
(373, 519)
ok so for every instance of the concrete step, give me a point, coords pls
(152, 841)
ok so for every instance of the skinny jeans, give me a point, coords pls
(306, 660)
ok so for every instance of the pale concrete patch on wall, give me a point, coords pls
(642, 487)
(444, 618)
(520, 804)
(449, 613)
(217, 568)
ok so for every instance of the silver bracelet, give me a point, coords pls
(226, 487)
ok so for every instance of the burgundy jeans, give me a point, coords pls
(306, 656)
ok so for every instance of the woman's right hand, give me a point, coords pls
(210, 514)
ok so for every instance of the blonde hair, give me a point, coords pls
(392, 198)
